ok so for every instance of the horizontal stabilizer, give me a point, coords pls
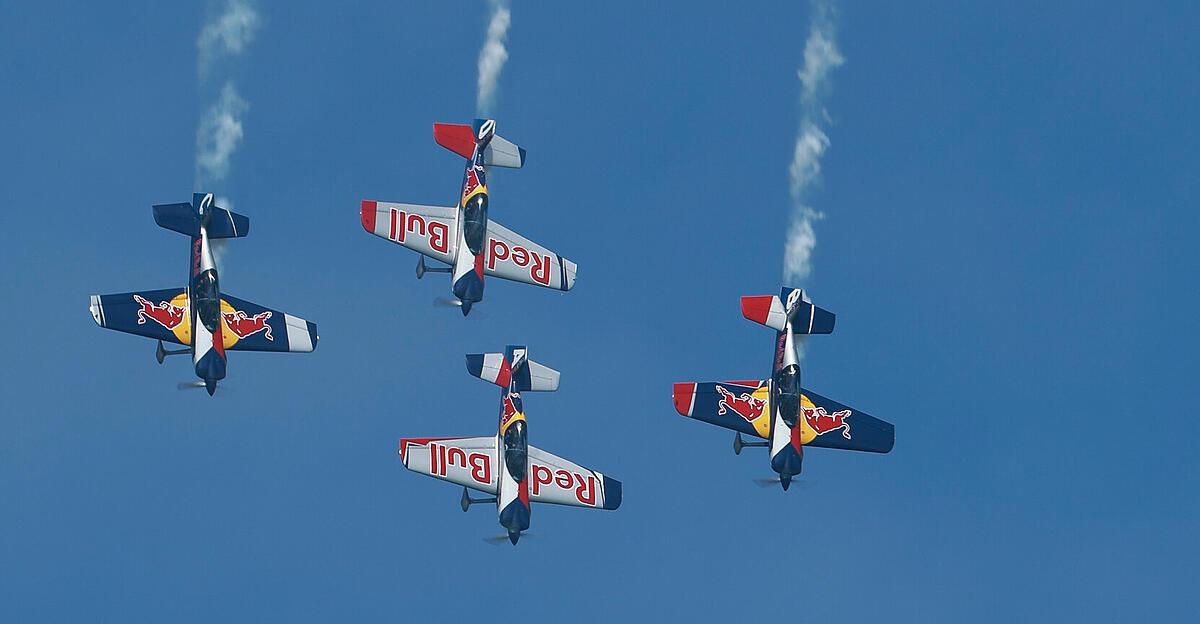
(503, 153)
(771, 311)
(458, 138)
(461, 139)
(178, 218)
(225, 224)
(185, 219)
(765, 310)
(528, 376)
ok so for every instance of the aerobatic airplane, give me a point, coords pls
(200, 317)
(778, 409)
(461, 236)
(505, 465)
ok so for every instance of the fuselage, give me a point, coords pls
(472, 231)
(512, 443)
(204, 301)
(787, 450)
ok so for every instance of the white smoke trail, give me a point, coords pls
(219, 135)
(821, 57)
(227, 35)
(492, 57)
(221, 129)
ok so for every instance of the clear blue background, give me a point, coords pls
(1011, 208)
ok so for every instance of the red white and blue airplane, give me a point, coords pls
(778, 409)
(199, 316)
(461, 236)
(514, 472)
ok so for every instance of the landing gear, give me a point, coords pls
(160, 353)
(738, 445)
(422, 269)
(467, 501)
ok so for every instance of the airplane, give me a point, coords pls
(505, 466)
(200, 316)
(462, 236)
(788, 416)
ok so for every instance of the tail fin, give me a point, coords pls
(774, 313)
(186, 218)
(513, 369)
(462, 139)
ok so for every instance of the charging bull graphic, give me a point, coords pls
(747, 405)
(165, 313)
(823, 422)
(242, 325)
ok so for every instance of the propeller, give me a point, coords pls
(774, 482)
(446, 302)
(497, 540)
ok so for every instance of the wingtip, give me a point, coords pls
(366, 214)
(96, 309)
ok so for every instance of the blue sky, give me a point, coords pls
(1010, 207)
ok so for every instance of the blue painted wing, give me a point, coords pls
(248, 326)
(159, 314)
(743, 406)
(840, 426)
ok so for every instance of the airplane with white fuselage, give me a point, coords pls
(201, 317)
(788, 416)
(513, 472)
(462, 236)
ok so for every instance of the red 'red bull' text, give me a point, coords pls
(436, 233)
(539, 264)
(441, 456)
(584, 488)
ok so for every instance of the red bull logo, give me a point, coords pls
(243, 325)
(510, 408)
(823, 422)
(164, 313)
(747, 405)
(472, 183)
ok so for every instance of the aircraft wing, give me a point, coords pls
(513, 257)
(743, 406)
(430, 230)
(462, 461)
(555, 480)
(829, 424)
(159, 314)
(247, 326)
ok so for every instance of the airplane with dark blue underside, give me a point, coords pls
(200, 317)
(787, 416)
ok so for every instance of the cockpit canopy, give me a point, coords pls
(206, 296)
(475, 222)
(787, 394)
(516, 450)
